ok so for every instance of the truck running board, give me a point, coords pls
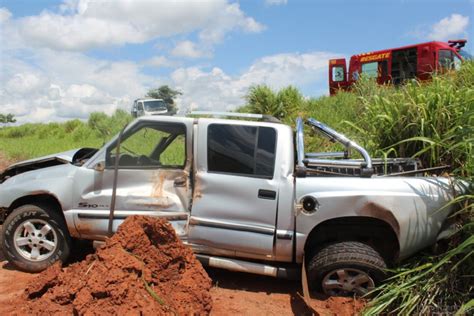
(248, 267)
(291, 273)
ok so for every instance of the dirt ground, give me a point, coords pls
(233, 293)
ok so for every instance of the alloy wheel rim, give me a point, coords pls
(35, 240)
(347, 282)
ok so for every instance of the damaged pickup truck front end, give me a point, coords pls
(75, 157)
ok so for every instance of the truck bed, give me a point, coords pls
(380, 167)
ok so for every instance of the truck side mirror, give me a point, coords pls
(100, 166)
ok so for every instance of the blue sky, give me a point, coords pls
(65, 59)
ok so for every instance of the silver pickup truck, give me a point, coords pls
(241, 192)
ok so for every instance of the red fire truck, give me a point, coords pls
(397, 64)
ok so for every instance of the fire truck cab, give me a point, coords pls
(398, 64)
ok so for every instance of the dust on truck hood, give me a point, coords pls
(75, 157)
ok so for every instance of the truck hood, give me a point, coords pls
(75, 156)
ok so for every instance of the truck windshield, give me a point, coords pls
(156, 105)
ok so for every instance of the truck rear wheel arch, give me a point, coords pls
(372, 231)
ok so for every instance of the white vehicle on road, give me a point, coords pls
(142, 107)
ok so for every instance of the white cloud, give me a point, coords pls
(188, 49)
(24, 83)
(84, 24)
(56, 86)
(160, 61)
(449, 27)
(284, 69)
(4, 15)
(229, 18)
(54, 92)
(216, 90)
(276, 2)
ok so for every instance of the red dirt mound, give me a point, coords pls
(143, 269)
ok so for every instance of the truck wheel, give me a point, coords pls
(34, 237)
(346, 269)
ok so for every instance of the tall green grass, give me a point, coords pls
(288, 103)
(35, 140)
(431, 284)
(434, 122)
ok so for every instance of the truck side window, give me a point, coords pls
(241, 150)
(445, 59)
(265, 156)
(151, 145)
(370, 69)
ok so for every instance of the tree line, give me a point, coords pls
(7, 118)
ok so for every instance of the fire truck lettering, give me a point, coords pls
(375, 57)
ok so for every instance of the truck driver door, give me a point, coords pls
(153, 178)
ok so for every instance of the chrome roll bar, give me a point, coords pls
(305, 160)
(300, 143)
(333, 135)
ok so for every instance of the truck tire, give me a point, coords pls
(346, 269)
(34, 237)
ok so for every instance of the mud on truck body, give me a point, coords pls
(241, 192)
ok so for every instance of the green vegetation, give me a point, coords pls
(145, 140)
(35, 140)
(282, 104)
(7, 118)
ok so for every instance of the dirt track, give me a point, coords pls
(233, 293)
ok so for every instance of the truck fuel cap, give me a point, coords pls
(310, 204)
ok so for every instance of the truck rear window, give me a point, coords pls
(241, 150)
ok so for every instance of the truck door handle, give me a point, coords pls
(267, 194)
